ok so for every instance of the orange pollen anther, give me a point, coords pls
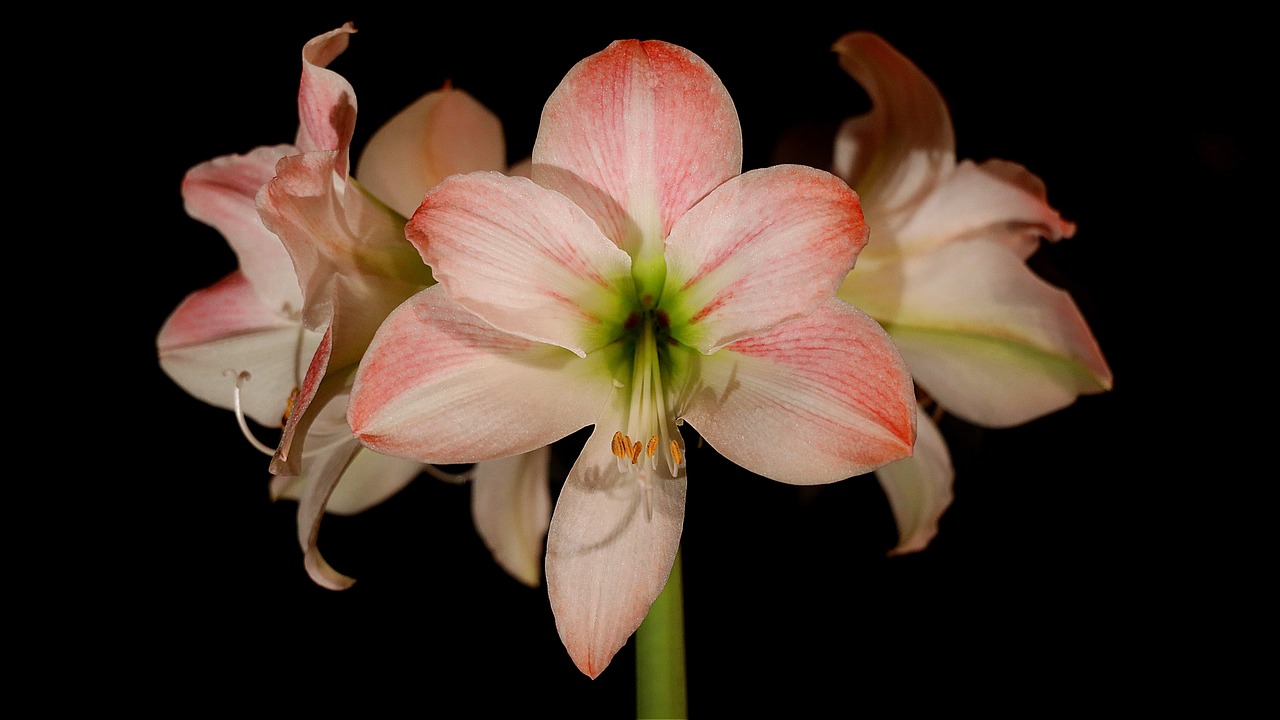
(675, 452)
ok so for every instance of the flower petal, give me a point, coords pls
(524, 258)
(370, 480)
(326, 101)
(997, 200)
(444, 132)
(813, 400)
(919, 487)
(323, 474)
(221, 193)
(511, 506)
(764, 247)
(990, 340)
(224, 329)
(440, 385)
(893, 154)
(332, 229)
(609, 551)
(635, 135)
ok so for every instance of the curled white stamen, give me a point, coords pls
(241, 378)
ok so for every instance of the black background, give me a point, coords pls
(1058, 567)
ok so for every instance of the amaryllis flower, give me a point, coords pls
(323, 259)
(636, 283)
(986, 338)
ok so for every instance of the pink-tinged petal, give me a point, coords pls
(610, 550)
(326, 101)
(997, 200)
(636, 135)
(893, 154)
(370, 480)
(813, 400)
(524, 258)
(511, 506)
(442, 133)
(221, 193)
(323, 475)
(440, 385)
(314, 389)
(764, 247)
(990, 340)
(919, 488)
(217, 332)
(358, 310)
(333, 229)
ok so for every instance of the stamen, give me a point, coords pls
(653, 446)
(241, 378)
(675, 453)
(635, 453)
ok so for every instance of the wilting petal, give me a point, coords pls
(524, 258)
(440, 385)
(609, 551)
(442, 133)
(326, 101)
(919, 487)
(511, 506)
(635, 135)
(905, 143)
(221, 193)
(224, 329)
(991, 341)
(997, 200)
(814, 400)
(764, 247)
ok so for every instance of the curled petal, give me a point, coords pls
(813, 400)
(442, 133)
(332, 229)
(636, 134)
(314, 498)
(442, 386)
(905, 143)
(221, 193)
(919, 488)
(997, 200)
(610, 550)
(990, 340)
(524, 258)
(764, 247)
(511, 506)
(326, 101)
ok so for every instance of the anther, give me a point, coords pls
(653, 446)
(675, 454)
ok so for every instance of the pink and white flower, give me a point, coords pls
(637, 282)
(946, 275)
(323, 259)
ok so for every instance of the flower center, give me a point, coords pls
(651, 439)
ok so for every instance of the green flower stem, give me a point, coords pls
(660, 679)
